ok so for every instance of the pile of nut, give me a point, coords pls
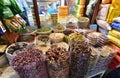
(30, 64)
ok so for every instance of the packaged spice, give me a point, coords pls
(2, 28)
(97, 39)
(16, 9)
(30, 64)
(58, 62)
(12, 24)
(19, 19)
(5, 12)
(79, 59)
(5, 3)
(106, 54)
(93, 58)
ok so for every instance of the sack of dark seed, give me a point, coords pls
(79, 59)
(58, 62)
(30, 64)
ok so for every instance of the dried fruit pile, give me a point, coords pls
(30, 64)
(58, 63)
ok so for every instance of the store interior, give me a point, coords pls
(60, 39)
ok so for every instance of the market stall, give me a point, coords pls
(79, 43)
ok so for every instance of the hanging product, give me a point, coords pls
(113, 13)
(30, 64)
(2, 28)
(12, 24)
(116, 25)
(104, 24)
(102, 14)
(106, 1)
(16, 9)
(62, 12)
(114, 40)
(5, 3)
(5, 12)
(19, 19)
(116, 3)
(115, 33)
(58, 63)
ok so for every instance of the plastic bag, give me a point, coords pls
(116, 25)
(9, 72)
(12, 24)
(58, 63)
(2, 28)
(5, 2)
(106, 54)
(102, 13)
(19, 19)
(79, 59)
(30, 64)
(15, 7)
(104, 24)
(5, 12)
(93, 59)
(106, 1)
(97, 39)
(115, 33)
(114, 40)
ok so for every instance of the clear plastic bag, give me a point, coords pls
(79, 61)
(106, 54)
(30, 64)
(58, 63)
